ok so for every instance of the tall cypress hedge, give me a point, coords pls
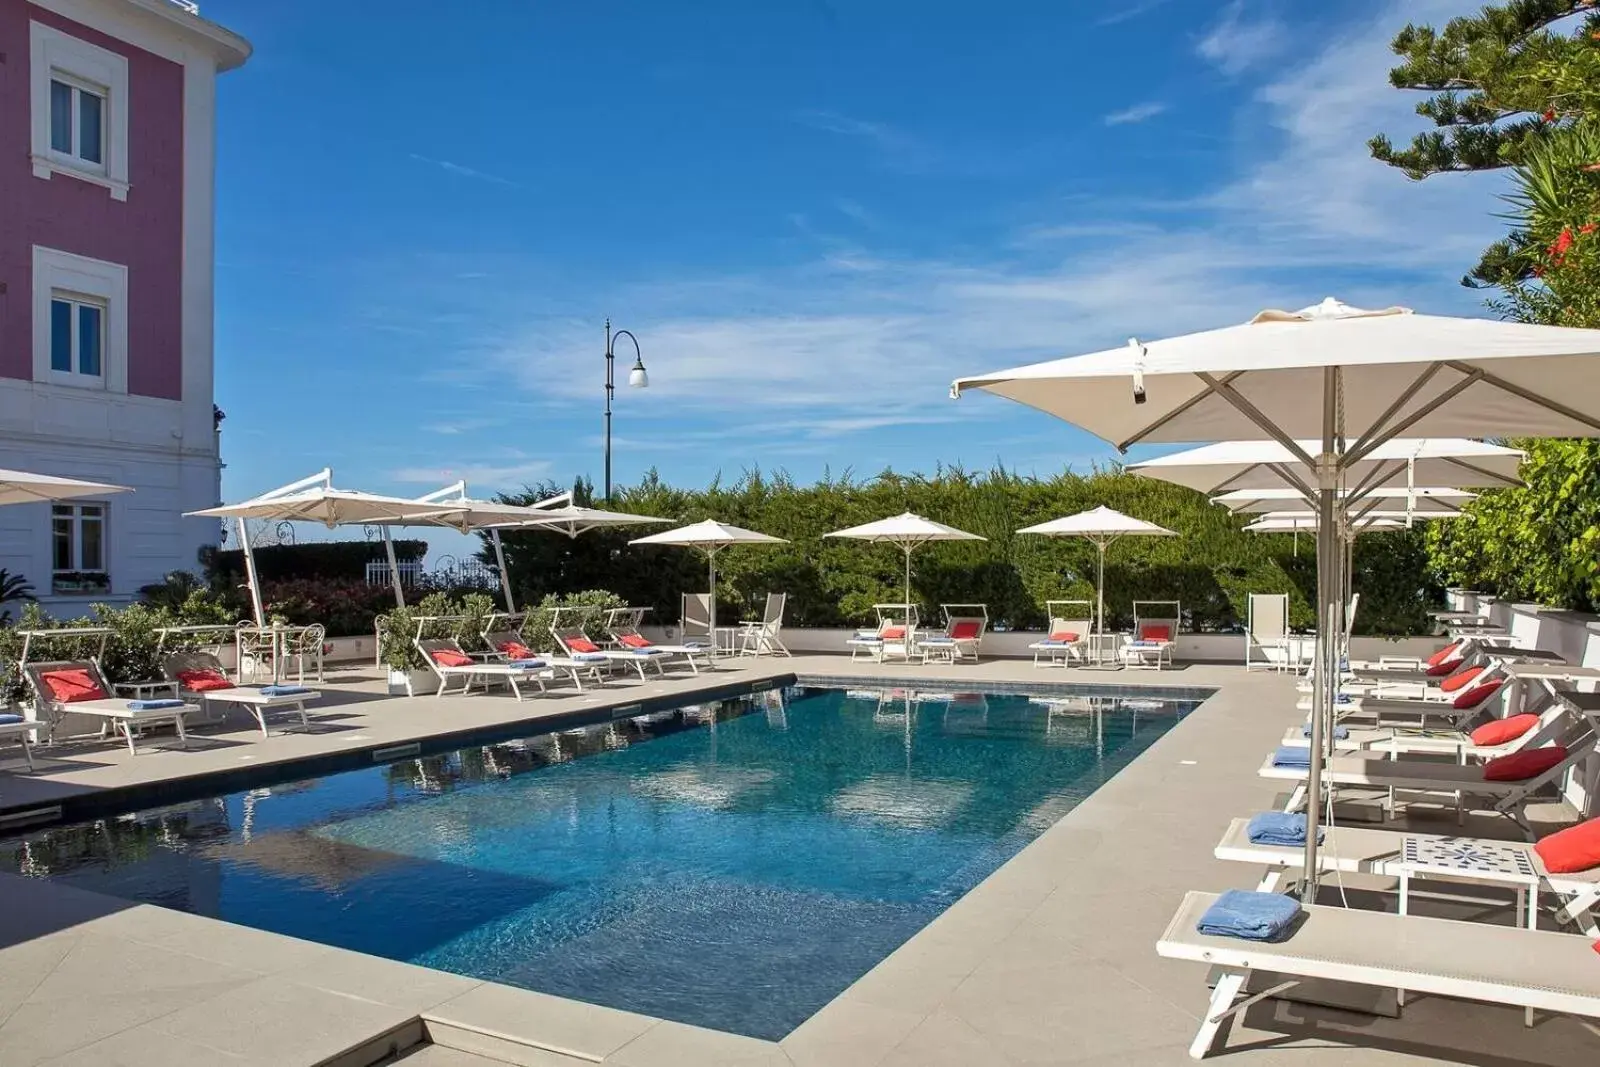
(1211, 567)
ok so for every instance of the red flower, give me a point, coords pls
(1587, 227)
(1538, 272)
(1563, 242)
(1549, 114)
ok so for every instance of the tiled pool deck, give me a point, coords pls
(1051, 960)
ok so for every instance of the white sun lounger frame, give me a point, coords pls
(1532, 969)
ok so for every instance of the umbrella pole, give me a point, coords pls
(505, 578)
(711, 604)
(250, 574)
(1325, 687)
(394, 569)
(907, 549)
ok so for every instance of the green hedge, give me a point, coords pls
(319, 559)
(1211, 567)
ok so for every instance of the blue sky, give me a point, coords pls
(812, 214)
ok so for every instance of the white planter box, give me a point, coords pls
(412, 683)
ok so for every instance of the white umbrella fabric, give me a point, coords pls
(314, 499)
(1354, 378)
(909, 532)
(1454, 462)
(24, 487)
(1102, 526)
(710, 537)
(1391, 502)
(560, 514)
(1304, 522)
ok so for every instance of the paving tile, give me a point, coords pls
(943, 1040)
(671, 1044)
(553, 1022)
(399, 985)
(273, 1021)
(144, 1047)
(848, 1034)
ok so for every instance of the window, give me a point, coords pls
(78, 548)
(77, 120)
(77, 334)
(80, 316)
(79, 110)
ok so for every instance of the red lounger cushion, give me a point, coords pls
(965, 630)
(1577, 848)
(1501, 731)
(634, 640)
(1445, 654)
(1444, 667)
(203, 681)
(1065, 635)
(449, 657)
(1155, 633)
(1471, 698)
(72, 685)
(582, 644)
(1460, 678)
(516, 650)
(1520, 766)
(892, 633)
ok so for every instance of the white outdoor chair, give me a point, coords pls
(200, 677)
(1067, 639)
(1267, 631)
(123, 717)
(1155, 633)
(694, 620)
(622, 626)
(762, 637)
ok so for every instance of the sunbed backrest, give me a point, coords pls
(1269, 617)
(695, 616)
(35, 672)
(176, 663)
(773, 615)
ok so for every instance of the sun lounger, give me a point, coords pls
(622, 625)
(1414, 775)
(18, 729)
(1067, 639)
(200, 676)
(895, 635)
(1155, 630)
(1533, 969)
(964, 627)
(76, 687)
(1536, 730)
(1267, 631)
(1363, 850)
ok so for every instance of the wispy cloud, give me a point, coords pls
(1127, 11)
(1137, 113)
(853, 210)
(461, 171)
(898, 148)
(1235, 43)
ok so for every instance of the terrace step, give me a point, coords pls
(440, 1056)
(493, 1048)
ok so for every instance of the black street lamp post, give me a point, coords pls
(637, 378)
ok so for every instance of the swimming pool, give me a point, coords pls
(733, 865)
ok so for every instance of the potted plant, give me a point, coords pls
(408, 675)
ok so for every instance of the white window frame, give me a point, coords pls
(56, 56)
(57, 273)
(76, 301)
(77, 566)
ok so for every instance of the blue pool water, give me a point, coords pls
(734, 865)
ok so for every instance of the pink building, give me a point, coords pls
(107, 160)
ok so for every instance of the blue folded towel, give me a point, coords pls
(589, 657)
(153, 705)
(1339, 732)
(7, 720)
(1280, 828)
(1291, 756)
(284, 690)
(695, 644)
(1252, 916)
(527, 664)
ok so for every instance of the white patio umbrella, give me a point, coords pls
(1307, 523)
(1352, 377)
(24, 487)
(1102, 526)
(560, 514)
(471, 516)
(314, 499)
(909, 532)
(710, 537)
